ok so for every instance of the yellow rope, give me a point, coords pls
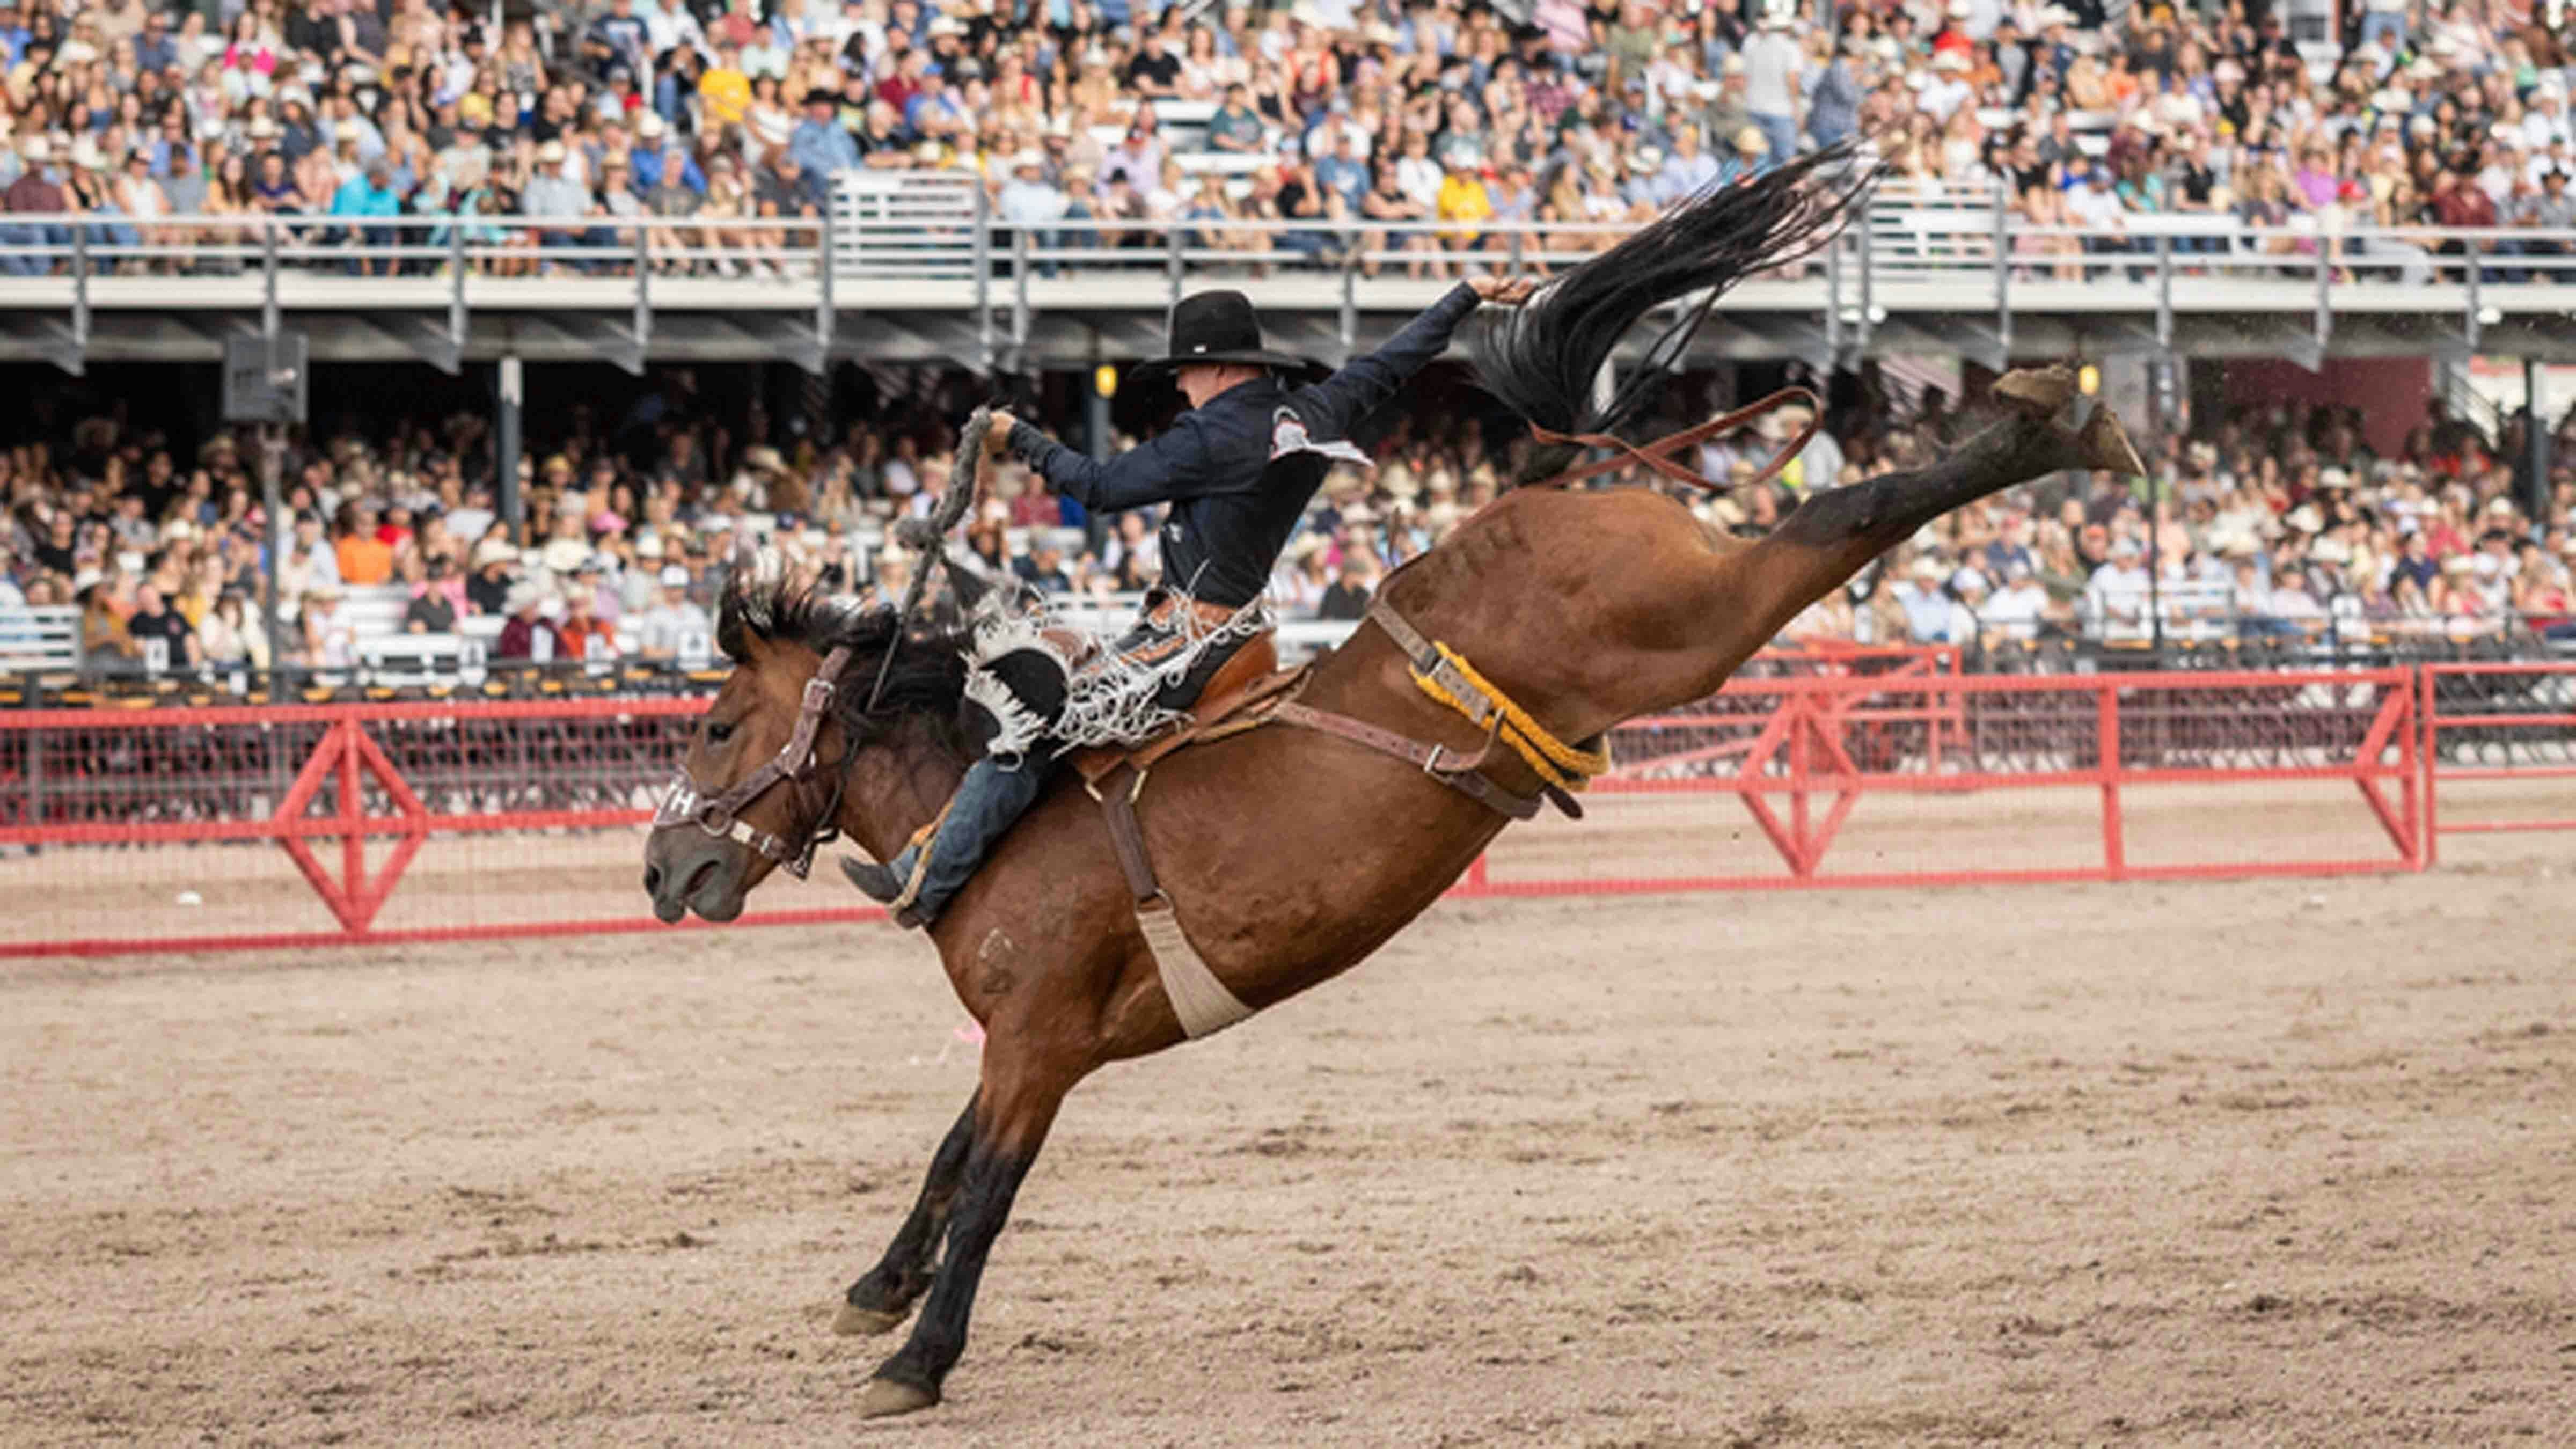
(1555, 761)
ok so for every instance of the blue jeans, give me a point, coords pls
(988, 801)
(105, 233)
(594, 236)
(1781, 132)
(31, 234)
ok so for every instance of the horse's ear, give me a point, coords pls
(738, 635)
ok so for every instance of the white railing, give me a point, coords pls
(943, 247)
(39, 640)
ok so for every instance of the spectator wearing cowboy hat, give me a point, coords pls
(553, 196)
(1748, 157)
(529, 635)
(820, 143)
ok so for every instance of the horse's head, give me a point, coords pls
(769, 764)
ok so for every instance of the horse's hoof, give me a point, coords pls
(885, 1398)
(2105, 445)
(852, 1321)
(2036, 391)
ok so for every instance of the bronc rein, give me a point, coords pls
(719, 814)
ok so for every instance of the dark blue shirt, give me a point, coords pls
(1234, 470)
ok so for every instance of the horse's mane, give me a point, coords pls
(1540, 359)
(926, 680)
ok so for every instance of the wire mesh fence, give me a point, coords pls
(269, 826)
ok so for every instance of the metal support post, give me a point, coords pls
(1173, 261)
(634, 363)
(2325, 298)
(456, 317)
(272, 459)
(2473, 327)
(827, 314)
(2535, 389)
(983, 281)
(1019, 289)
(1834, 302)
(2003, 281)
(510, 388)
(1350, 318)
(268, 315)
(2164, 295)
(1868, 292)
(73, 358)
(2155, 553)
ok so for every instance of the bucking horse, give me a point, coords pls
(1297, 821)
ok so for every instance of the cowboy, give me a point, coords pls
(1238, 469)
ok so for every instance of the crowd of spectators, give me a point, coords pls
(2279, 521)
(691, 119)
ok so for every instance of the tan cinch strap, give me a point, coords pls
(1654, 455)
(1202, 1002)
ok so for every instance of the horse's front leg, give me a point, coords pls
(885, 1293)
(1011, 1117)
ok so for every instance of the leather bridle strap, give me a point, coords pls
(1653, 455)
(720, 815)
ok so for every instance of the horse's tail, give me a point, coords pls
(1540, 359)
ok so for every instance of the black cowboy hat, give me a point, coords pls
(1220, 327)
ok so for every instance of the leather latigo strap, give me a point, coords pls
(1126, 835)
(1458, 772)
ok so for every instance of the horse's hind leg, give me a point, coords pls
(2046, 427)
(885, 1293)
(1012, 1114)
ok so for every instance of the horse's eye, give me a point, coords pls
(718, 733)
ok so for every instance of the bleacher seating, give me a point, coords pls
(39, 640)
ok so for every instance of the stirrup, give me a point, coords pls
(903, 903)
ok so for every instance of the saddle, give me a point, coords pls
(1231, 704)
(1250, 691)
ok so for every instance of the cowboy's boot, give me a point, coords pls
(919, 882)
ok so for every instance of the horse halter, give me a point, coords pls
(720, 815)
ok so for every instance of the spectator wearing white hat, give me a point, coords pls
(1932, 614)
(1748, 156)
(37, 191)
(2019, 608)
(529, 636)
(552, 196)
(2118, 592)
(1774, 78)
(673, 618)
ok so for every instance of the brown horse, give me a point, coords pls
(1291, 854)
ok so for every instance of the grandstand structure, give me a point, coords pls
(914, 267)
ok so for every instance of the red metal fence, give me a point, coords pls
(2492, 732)
(178, 830)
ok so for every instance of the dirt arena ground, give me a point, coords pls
(2266, 1162)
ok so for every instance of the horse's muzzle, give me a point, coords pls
(695, 874)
